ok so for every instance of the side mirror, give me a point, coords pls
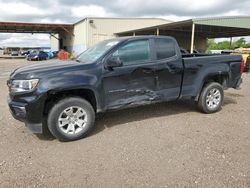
(113, 62)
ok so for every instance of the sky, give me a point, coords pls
(71, 11)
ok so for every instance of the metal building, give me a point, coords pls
(35, 28)
(194, 33)
(190, 34)
(91, 30)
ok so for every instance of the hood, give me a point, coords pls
(42, 69)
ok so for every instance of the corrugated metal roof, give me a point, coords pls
(237, 21)
(121, 18)
(26, 27)
(214, 27)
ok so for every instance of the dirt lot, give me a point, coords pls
(163, 145)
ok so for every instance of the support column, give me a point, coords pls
(192, 39)
(133, 33)
(231, 40)
(157, 31)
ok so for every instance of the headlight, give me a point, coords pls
(23, 85)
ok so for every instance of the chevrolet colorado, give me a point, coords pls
(114, 74)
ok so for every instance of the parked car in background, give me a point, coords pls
(50, 54)
(55, 53)
(116, 74)
(227, 51)
(25, 53)
(37, 56)
(14, 53)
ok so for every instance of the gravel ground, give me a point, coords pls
(163, 145)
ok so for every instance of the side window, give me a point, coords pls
(165, 48)
(133, 52)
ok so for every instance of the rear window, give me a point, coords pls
(165, 48)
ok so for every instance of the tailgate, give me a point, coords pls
(236, 70)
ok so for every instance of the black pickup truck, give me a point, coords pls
(115, 74)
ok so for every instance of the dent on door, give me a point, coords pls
(130, 87)
(135, 82)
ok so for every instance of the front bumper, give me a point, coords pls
(20, 111)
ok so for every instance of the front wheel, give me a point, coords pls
(211, 98)
(71, 119)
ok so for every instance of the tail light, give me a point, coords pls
(242, 66)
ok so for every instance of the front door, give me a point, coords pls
(134, 82)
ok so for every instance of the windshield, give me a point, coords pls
(34, 52)
(96, 51)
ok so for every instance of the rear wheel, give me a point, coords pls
(71, 119)
(211, 98)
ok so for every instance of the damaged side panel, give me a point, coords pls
(147, 79)
(129, 86)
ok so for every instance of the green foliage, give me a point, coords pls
(240, 43)
(225, 45)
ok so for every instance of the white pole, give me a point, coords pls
(192, 39)
(157, 32)
(134, 34)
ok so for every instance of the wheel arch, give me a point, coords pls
(55, 96)
(221, 78)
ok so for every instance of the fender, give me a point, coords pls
(67, 83)
(210, 73)
(194, 78)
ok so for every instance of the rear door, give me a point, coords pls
(169, 68)
(134, 82)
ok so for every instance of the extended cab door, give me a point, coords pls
(169, 68)
(134, 82)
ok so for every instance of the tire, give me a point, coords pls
(211, 98)
(73, 111)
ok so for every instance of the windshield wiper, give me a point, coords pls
(77, 60)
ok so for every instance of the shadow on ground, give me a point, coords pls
(122, 117)
(110, 119)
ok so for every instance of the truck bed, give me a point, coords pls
(198, 65)
(211, 58)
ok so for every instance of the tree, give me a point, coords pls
(211, 44)
(239, 43)
(225, 45)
